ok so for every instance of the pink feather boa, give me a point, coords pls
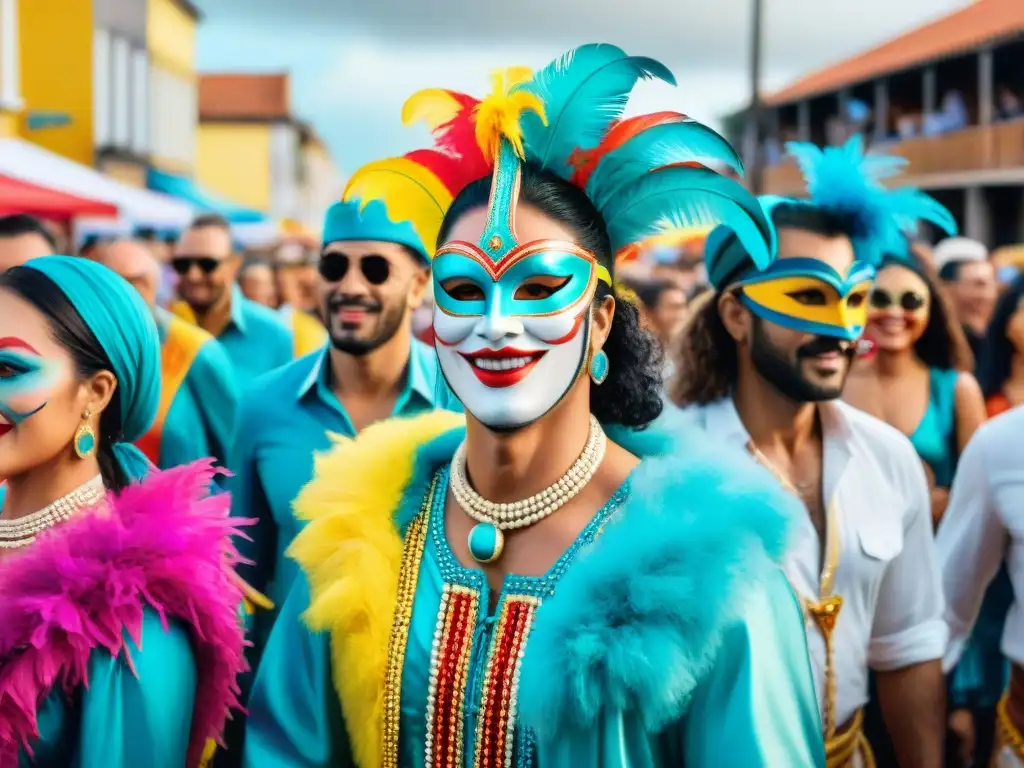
(165, 544)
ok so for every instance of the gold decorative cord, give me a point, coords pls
(825, 609)
(1007, 732)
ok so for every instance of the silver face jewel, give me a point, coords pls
(15, 534)
(520, 514)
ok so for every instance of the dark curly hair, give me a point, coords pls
(999, 350)
(632, 393)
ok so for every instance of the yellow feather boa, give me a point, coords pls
(351, 552)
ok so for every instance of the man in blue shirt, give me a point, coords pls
(373, 273)
(253, 336)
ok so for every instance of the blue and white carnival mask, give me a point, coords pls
(512, 320)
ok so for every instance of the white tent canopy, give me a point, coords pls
(29, 162)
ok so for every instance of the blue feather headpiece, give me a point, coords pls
(846, 182)
(646, 175)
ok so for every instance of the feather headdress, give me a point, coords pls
(404, 199)
(849, 182)
(646, 175)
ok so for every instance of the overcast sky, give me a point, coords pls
(354, 63)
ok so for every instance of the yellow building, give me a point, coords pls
(110, 83)
(10, 69)
(320, 181)
(249, 146)
(173, 109)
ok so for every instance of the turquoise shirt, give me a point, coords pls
(935, 436)
(284, 418)
(255, 339)
(755, 709)
(202, 414)
(124, 719)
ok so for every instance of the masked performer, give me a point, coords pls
(119, 637)
(545, 582)
(764, 361)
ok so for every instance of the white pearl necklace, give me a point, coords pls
(520, 514)
(15, 534)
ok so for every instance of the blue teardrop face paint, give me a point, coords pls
(26, 378)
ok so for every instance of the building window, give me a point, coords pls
(10, 77)
(140, 101)
(101, 111)
(122, 132)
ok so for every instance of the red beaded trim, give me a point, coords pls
(449, 672)
(496, 726)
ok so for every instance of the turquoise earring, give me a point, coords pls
(85, 438)
(599, 367)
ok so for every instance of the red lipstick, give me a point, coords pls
(500, 368)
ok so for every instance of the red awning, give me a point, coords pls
(18, 196)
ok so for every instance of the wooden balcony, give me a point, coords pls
(980, 155)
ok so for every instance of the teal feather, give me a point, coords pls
(848, 182)
(666, 144)
(584, 92)
(680, 197)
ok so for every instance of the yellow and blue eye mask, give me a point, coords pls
(808, 295)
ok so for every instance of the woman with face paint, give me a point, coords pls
(100, 555)
(556, 579)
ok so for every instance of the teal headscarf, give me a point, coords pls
(125, 328)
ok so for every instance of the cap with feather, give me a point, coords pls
(646, 175)
(847, 182)
(403, 199)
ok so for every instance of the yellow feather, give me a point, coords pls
(436, 106)
(409, 192)
(352, 554)
(497, 116)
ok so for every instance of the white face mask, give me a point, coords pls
(511, 346)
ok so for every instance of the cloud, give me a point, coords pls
(354, 63)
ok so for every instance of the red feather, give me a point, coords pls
(457, 160)
(621, 132)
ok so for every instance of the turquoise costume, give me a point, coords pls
(934, 439)
(664, 636)
(255, 339)
(119, 643)
(201, 414)
(153, 702)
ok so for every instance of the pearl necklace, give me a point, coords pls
(15, 534)
(486, 540)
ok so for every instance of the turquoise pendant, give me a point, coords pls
(485, 542)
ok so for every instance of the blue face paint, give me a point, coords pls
(22, 374)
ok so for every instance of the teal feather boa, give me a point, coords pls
(637, 620)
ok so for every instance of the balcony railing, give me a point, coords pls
(973, 150)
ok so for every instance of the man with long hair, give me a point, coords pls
(763, 363)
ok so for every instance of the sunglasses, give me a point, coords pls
(334, 266)
(183, 264)
(909, 301)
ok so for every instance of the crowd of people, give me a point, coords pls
(472, 483)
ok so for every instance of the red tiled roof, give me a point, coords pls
(971, 27)
(248, 97)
